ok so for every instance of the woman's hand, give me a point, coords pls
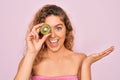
(95, 57)
(33, 41)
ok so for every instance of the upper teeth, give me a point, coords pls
(53, 40)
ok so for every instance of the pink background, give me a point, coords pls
(96, 27)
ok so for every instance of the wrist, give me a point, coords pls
(87, 63)
(29, 53)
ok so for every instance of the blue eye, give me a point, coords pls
(58, 28)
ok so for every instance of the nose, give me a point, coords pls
(52, 33)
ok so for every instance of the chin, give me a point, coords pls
(56, 49)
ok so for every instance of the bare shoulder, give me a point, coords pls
(79, 56)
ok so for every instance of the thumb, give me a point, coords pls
(45, 37)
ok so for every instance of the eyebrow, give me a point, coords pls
(58, 24)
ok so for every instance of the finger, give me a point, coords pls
(104, 53)
(36, 36)
(35, 30)
(38, 26)
(30, 36)
(45, 37)
(107, 51)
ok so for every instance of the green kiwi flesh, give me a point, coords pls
(45, 29)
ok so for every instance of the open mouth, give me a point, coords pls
(53, 42)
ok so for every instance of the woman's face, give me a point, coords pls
(56, 40)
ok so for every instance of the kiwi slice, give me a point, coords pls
(45, 29)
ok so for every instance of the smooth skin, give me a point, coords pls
(57, 60)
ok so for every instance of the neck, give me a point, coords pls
(58, 53)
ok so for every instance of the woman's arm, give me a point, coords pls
(89, 60)
(25, 67)
(33, 47)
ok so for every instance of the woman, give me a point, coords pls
(50, 57)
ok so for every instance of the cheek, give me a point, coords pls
(63, 35)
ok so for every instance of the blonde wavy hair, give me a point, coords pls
(48, 10)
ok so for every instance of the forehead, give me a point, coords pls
(53, 20)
